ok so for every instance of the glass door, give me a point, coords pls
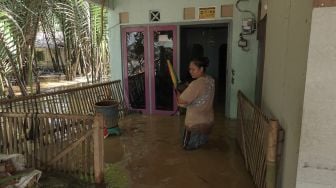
(136, 68)
(147, 82)
(162, 49)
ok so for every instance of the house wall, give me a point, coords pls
(287, 39)
(47, 63)
(243, 63)
(317, 158)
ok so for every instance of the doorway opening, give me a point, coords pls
(209, 40)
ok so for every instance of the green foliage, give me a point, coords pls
(115, 176)
(84, 49)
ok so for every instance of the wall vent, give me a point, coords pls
(154, 15)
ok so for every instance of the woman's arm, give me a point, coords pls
(180, 101)
(188, 95)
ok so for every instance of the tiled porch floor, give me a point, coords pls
(150, 152)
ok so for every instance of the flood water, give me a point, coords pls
(149, 155)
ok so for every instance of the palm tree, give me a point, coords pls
(84, 33)
(85, 40)
(99, 41)
(12, 43)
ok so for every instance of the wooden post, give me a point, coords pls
(271, 157)
(98, 147)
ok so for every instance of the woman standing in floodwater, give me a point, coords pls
(198, 99)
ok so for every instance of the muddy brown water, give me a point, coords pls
(149, 151)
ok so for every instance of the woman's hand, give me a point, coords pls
(177, 93)
(180, 101)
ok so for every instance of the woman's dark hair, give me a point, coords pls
(201, 62)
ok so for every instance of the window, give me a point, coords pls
(39, 55)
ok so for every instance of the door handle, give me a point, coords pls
(233, 72)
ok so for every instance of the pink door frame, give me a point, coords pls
(125, 65)
(149, 65)
(152, 29)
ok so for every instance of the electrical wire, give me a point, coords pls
(246, 48)
(241, 10)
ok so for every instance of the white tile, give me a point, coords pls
(311, 185)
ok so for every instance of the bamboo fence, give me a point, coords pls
(78, 100)
(59, 142)
(259, 139)
(60, 131)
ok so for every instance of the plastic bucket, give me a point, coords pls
(109, 109)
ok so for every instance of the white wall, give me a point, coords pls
(115, 45)
(244, 63)
(317, 159)
(287, 40)
(171, 11)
